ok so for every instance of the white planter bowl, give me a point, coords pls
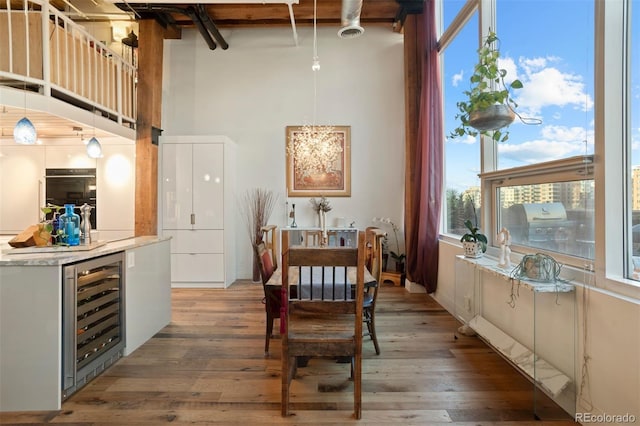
(472, 249)
(492, 118)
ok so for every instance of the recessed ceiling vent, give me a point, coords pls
(351, 10)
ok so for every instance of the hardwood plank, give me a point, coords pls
(208, 366)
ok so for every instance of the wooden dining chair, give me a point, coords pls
(374, 237)
(321, 316)
(266, 252)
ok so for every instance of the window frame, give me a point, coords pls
(609, 270)
(564, 170)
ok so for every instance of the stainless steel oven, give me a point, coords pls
(72, 186)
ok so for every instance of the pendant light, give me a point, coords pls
(94, 149)
(315, 148)
(24, 133)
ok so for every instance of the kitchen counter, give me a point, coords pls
(61, 255)
(31, 314)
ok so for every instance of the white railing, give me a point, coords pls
(39, 45)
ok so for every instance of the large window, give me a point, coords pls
(555, 63)
(545, 211)
(633, 134)
(462, 156)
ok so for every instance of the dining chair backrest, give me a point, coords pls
(267, 258)
(374, 238)
(322, 316)
(270, 239)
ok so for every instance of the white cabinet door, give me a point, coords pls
(177, 188)
(21, 187)
(115, 191)
(208, 182)
(192, 187)
(194, 268)
(192, 241)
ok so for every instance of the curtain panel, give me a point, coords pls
(424, 176)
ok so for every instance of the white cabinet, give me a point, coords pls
(22, 184)
(69, 156)
(21, 187)
(193, 185)
(115, 194)
(197, 187)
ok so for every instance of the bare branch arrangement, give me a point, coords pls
(258, 205)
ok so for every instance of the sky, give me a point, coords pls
(555, 63)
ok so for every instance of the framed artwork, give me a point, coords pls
(316, 169)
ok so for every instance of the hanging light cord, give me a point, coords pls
(316, 61)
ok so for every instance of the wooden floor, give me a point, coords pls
(208, 366)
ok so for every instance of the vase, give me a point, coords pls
(472, 249)
(256, 270)
(70, 225)
(323, 227)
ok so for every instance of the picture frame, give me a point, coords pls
(333, 183)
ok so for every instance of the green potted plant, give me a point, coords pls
(489, 106)
(397, 256)
(473, 242)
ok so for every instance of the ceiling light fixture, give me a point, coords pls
(314, 149)
(24, 133)
(94, 149)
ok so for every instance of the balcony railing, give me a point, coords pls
(40, 46)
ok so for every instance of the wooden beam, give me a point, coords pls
(150, 52)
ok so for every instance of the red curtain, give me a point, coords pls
(425, 165)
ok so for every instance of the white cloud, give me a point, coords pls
(547, 86)
(532, 64)
(466, 139)
(566, 134)
(538, 151)
(510, 66)
(457, 78)
(555, 142)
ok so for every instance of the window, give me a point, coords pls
(555, 63)
(462, 157)
(539, 184)
(633, 136)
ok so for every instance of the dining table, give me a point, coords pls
(301, 278)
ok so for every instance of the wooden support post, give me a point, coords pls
(149, 106)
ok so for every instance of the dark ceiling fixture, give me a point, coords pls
(197, 13)
(131, 40)
(407, 7)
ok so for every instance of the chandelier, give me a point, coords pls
(315, 149)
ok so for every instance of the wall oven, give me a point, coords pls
(72, 186)
(93, 319)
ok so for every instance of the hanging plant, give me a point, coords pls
(489, 106)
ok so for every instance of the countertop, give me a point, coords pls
(65, 256)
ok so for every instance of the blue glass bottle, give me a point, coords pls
(70, 224)
(55, 225)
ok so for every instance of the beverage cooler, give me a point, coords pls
(93, 319)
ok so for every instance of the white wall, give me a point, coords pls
(264, 83)
(611, 332)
